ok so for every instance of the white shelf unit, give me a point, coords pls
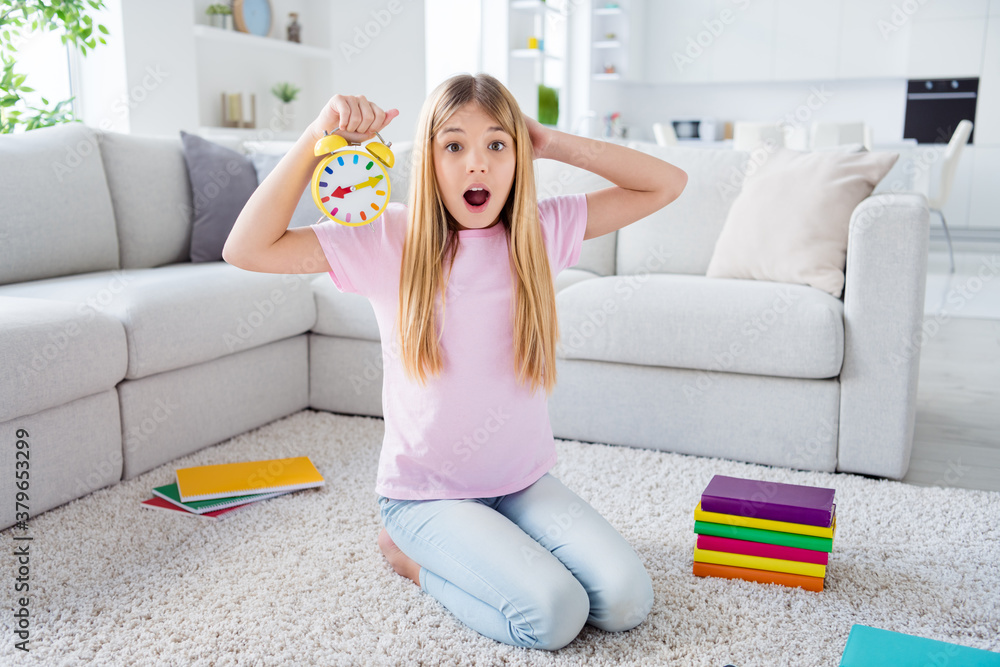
(546, 65)
(610, 41)
(229, 61)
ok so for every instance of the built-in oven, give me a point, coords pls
(935, 106)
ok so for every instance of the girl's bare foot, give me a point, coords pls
(401, 563)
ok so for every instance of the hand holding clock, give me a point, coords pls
(357, 118)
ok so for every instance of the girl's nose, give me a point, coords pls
(476, 160)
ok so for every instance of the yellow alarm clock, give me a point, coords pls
(351, 186)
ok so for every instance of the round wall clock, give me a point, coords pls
(252, 16)
(351, 185)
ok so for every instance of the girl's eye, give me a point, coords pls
(492, 144)
(502, 144)
(448, 147)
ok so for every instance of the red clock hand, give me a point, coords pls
(340, 192)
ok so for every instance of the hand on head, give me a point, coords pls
(357, 118)
(541, 136)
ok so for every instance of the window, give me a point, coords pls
(44, 60)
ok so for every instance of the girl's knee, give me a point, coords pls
(562, 611)
(624, 600)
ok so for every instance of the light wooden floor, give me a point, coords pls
(957, 436)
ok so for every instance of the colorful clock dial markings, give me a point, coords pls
(380, 193)
(374, 207)
(363, 215)
(369, 166)
(334, 211)
(341, 161)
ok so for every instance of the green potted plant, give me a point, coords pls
(286, 94)
(548, 105)
(220, 15)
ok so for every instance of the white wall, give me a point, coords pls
(453, 39)
(379, 53)
(160, 70)
(143, 80)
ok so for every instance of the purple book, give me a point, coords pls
(810, 505)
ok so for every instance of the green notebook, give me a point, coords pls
(766, 536)
(170, 493)
(874, 647)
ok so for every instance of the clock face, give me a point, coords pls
(351, 187)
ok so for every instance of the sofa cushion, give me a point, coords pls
(699, 323)
(184, 314)
(687, 229)
(789, 222)
(151, 194)
(343, 314)
(56, 212)
(553, 178)
(54, 352)
(568, 277)
(222, 181)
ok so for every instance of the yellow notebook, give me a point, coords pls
(759, 562)
(235, 479)
(765, 524)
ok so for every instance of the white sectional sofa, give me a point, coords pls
(120, 355)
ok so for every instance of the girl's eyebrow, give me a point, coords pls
(446, 130)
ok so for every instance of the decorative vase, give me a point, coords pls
(224, 21)
(294, 28)
(287, 114)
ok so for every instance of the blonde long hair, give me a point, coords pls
(432, 236)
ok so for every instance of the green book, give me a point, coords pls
(871, 647)
(766, 536)
(170, 493)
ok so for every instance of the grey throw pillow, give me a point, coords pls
(222, 181)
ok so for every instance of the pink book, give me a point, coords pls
(732, 546)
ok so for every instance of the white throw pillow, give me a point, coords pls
(789, 222)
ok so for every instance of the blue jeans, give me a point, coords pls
(528, 568)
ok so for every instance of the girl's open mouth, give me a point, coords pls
(477, 199)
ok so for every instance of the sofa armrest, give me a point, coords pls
(884, 293)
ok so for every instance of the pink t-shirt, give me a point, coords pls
(473, 431)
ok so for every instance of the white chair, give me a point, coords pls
(748, 136)
(664, 133)
(828, 135)
(948, 167)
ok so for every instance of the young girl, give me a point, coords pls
(461, 281)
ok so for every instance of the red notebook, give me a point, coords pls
(794, 503)
(157, 503)
(713, 543)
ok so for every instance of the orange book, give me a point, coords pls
(759, 576)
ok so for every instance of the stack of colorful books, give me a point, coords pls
(766, 532)
(216, 490)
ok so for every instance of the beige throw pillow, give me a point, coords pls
(789, 222)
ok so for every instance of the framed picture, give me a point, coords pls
(252, 16)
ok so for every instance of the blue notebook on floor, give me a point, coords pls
(873, 647)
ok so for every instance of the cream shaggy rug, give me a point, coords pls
(299, 580)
